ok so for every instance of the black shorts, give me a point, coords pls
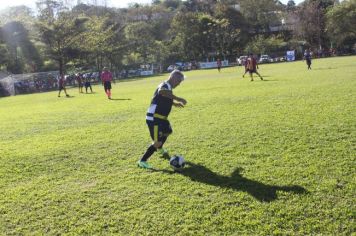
(87, 84)
(107, 85)
(61, 88)
(159, 129)
(308, 62)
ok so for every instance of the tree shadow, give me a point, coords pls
(260, 191)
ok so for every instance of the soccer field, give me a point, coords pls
(263, 157)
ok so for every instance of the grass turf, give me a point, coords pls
(263, 157)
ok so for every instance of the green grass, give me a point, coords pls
(264, 157)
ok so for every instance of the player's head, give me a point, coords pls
(175, 78)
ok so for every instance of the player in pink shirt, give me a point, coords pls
(106, 78)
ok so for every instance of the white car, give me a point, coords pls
(241, 60)
(265, 59)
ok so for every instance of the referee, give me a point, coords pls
(106, 78)
(156, 117)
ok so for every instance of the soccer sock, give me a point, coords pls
(150, 150)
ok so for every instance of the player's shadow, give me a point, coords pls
(120, 99)
(260, 191)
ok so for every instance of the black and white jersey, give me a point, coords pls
(160, 106)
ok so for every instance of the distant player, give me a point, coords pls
(252, 66)
(218, 62)
(87, 83)
(62, 85)
(106, 78)
(79, 79)
(246, 69)
(157, 114)
(307, 57)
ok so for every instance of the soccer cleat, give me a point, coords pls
(143, 164)
(162, 151)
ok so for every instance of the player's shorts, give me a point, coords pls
(107, 85)
(159, 129)
(61, 88)
(308, 61)
(252, 71)
(87, 84)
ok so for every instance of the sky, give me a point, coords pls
(113, 3)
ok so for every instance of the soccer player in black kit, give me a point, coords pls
(157, 114)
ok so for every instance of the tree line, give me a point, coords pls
(61, 35)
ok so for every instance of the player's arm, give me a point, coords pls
(168, 94)
(177, 104)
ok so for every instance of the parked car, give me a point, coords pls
(265, 59)
(241, 60)
(182, 66)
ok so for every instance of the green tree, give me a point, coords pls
(265, 45)
(261, 14)
(190, 36)
(311, 25)
(60, 31)
(341, 22)
(20, 38)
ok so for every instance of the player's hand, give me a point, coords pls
(180, 105)
(183, 101)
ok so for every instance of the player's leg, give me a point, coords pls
(153, 128)
(106, 88)
(65, 91)
(166, 130)
(251, 75)
(259, 75)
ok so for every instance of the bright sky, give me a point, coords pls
(113, 3)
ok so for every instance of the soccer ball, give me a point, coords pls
(177, 162)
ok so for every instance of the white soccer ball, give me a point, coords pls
(177, 162)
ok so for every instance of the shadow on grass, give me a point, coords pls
(325, 68)
(260, 191)
(120, 99)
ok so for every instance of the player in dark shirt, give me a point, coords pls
(62, 85)
(157, 114)
(307, 56)
(219, 63)
(79, 79)
(87, 83)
